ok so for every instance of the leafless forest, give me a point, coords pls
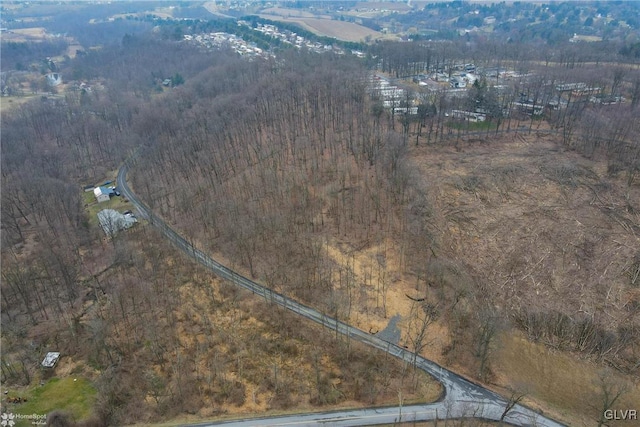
(275, 165)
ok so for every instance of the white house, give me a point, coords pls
(113, 221)
(102, 194)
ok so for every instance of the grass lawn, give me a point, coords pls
(93, 207)
(472, 126)
(64, 394)
(117, 203)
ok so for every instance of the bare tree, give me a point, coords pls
(514, 399)
(609, 391)
(487, 327)
(619, 74)
(421, 316)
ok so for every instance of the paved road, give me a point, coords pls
(461, 399)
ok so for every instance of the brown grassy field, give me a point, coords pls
(563, 385)
(9, 102)
(291, 13)
(21, 35)
(347, 31)
(37, 34)
(380, 5)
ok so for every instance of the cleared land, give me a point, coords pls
(541, 224)
(7, 103)
(543, 230)
(25, 34)
(341, 30)
(292, 13)
(388, 5)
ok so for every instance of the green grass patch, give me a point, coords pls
(63, 394)
(471, 126)
(93, 207)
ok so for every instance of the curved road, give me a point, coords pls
(462, 398)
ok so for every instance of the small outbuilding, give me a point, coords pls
(51, 359)
(102, 194)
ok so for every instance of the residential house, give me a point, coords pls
(113, 221)
(102, 194)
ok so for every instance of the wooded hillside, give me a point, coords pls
(289, 169)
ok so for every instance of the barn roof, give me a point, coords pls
(100, 190)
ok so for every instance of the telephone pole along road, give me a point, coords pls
(462, 398)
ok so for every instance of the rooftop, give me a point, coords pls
(51, 359)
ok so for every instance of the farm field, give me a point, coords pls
(347, 31)
(25, 34)
(292, 13)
